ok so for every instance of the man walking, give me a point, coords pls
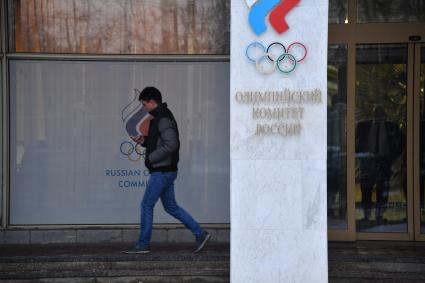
(162, 155)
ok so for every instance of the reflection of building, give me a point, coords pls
(69, 67)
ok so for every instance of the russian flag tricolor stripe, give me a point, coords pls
(278, 10)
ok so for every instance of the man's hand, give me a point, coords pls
(139, 139)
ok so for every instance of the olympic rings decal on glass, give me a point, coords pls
(266, 61)
(127, 148)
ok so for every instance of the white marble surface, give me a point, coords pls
(278, 184)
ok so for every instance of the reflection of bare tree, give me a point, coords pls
(377, 85)
(122, 26)
(391, 11)
(382, 80)
(337, 11)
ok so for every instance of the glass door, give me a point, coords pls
(381, 138)
(390, 141)
(383, 111)
(420, 150)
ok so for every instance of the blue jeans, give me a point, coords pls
(161, 185)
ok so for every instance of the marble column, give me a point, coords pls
(278, 145)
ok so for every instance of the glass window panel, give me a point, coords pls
(386, 11)
(120, 26)
(1, 142)
(381, 89)
(422, 139)
(71, 157)
(338, 11)
(337, 137)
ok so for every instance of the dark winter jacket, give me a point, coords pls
(394, 138)
(162, 144)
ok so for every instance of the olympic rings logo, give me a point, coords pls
(133, 152)
(276, 55)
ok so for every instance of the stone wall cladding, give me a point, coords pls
(16, 236)
(53, 236)
(101, 235)
(1, 237)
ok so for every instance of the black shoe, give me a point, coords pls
(139, 250)
(202, 241)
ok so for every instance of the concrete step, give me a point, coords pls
(377, 262)
(96, 263)
(125, 279)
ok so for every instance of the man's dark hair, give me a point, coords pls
(149, 93)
